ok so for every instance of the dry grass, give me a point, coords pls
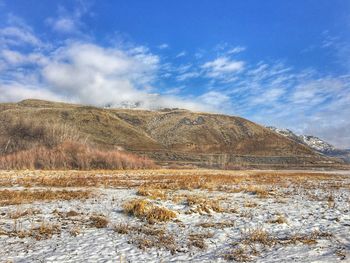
(72, 155)
(198, 239)
(230, 181)
(307, 239)
(144, 209)
(99, 221)
(14, 197)
(250, 204)
(238, 255)
(201, 204)
(75, 231)
(147, 236)
(219, 225)
(258, 235)
(160, 214)
(279, 220)
(44, 231)
(19, 212)
(152, 193)
(121, 228)
(72, 213)
(137, 207)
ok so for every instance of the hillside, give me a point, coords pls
(170, 136)
(315, 143)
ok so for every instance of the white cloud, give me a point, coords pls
(163, 46)
(181, 54)
(236, 50)
(222, 66)
(216, 100)
(187, 75)
(13, 35)
(20, 91)
(90, 74)
(16, 58)
(64, 24)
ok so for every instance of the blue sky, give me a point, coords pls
(281, 63)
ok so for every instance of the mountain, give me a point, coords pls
(314, 143)
(170, 136)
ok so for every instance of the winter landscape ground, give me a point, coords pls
(174, 216)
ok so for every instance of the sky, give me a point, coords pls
(279, 63)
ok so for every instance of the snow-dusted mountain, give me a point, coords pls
(314, 143)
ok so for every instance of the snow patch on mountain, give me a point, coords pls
(314, 143)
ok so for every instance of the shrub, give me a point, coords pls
(72, 155)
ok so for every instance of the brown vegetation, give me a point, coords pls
(146, 210)
(72, 155)
(15, 197)
(43, 231)
(161, 180)
(201, 204)
(99, 221)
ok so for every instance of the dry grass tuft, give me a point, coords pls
(22, 213)
(121, 228)
(307, 239)
(152, 193)
(219, 225)
(279, 220)
(239, 254)
(99, 221)
(198, 239)
(14, 197)
(201, 204)
(160, 214)
(75, 231)
(260, 236)
(144, 209)
(250, 204)
(137, 207)
(72, 213)
(43, 231)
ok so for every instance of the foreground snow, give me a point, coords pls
(304, 210)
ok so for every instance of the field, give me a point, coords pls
(174, 216)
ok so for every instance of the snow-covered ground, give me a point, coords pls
(295, 222)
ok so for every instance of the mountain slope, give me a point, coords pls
(314, 143)
(178, 136)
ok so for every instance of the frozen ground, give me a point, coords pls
(289, 218)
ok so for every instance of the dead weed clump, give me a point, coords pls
(200, 204)
(152, 193)
(18, 213)
(43, 231)
(279, 220)
(99, 221)
(218, 225)
(307, 239)
(258, 235)
(144, 209)
(240, 254)
(198, 239)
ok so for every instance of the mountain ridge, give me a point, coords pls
(315, 143)
(173, 135)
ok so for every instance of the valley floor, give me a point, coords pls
(174, 216)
